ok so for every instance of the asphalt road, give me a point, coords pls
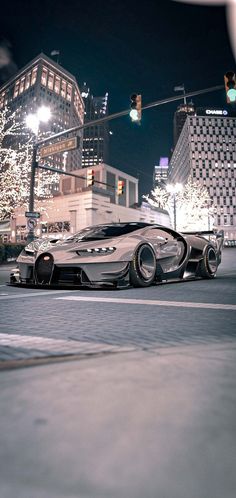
(127, 394)
(196, 312)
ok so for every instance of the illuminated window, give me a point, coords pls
(22, 84)
(2, 96)
(34, 76)
(27, 81)
(16, 89)
(57, 84)
(44, 76)
(69, 93)
(51, 80)
(63, 89)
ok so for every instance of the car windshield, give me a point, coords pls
(101, 232)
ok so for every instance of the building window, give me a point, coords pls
(63, 89)
(50, 80)
(22, 85)
(57, 85)
(27, 81)
(44, 76)
(69, 93)
(34, 76)
(16, 89)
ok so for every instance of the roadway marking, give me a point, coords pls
(149, 302)
(33, 294)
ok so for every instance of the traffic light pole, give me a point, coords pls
(116, 115)
(30, 236)
(126, 112)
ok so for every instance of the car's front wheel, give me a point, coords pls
(143, 266)
(208, 265)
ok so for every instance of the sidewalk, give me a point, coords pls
(137, 424)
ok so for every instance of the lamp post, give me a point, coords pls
(43, 115)
(174, 189)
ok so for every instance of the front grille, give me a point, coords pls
(69, 275)
(44, 268)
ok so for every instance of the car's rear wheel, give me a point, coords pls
(143, 266)
(208, 265)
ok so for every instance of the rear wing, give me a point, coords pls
(213, 235)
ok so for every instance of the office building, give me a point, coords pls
(44, 82)
(160, 173)
(96, 137)
(206, 151)
(183, 110)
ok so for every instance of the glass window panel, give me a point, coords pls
(44, 76)
(69, 92)
(27, 80)
(51, 81)
(57, 84)
(34, 76)
(16, 89)
(22, 84)
(63, 89)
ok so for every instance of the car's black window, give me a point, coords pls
(106, 231)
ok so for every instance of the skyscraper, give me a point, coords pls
(206, 151)
(183, 110)
(44, 82)
(96, 137)
(160, 173)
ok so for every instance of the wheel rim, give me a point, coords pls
(146, 262)
(212, 260)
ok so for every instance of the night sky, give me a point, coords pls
(122, 47)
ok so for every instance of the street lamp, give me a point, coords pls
(43, 115)
(174, 189)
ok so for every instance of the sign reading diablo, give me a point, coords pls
(62, 146)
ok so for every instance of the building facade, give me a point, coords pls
(78, 206)
(160, 173)
(44, 82)
(96, 137)
(183, 110)
(206, 151)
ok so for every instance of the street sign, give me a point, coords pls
(62, 146)
(31, 223)
(32, 214)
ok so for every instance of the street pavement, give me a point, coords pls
(119, 394)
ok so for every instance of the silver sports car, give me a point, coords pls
(119, 255)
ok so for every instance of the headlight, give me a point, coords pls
(37, 245)
(30, 248)
(96, 251)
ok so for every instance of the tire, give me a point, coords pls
(143, 267)
(208, 265)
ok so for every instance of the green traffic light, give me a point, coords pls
(231, 94)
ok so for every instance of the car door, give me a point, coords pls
(169, 249)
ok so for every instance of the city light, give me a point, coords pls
(174, 188)
(42, 115)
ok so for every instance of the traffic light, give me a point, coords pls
(120, 187)
(136, 107)
(230, 86)
(90, 177)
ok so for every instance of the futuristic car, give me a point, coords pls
(119, 255)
